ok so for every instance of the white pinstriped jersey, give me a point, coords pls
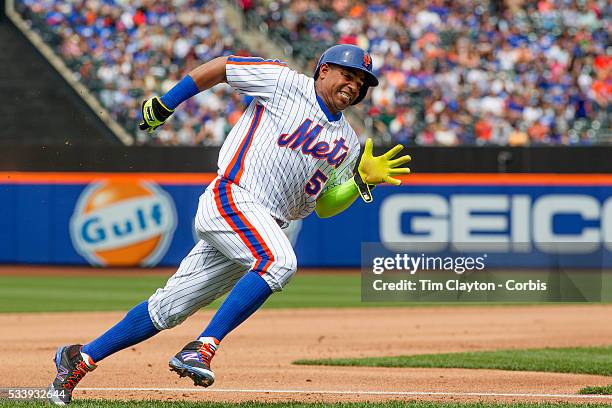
(287, 147)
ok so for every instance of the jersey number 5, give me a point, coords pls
(315, 183)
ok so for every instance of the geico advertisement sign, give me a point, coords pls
(554, 223)
(123, 223)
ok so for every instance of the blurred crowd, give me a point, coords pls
(467, 71)
(128, 50)
(452, 72)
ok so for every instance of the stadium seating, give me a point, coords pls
(38, 107)
(467, 72)
(464, 72)
(126, 51)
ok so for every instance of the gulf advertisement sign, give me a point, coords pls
(123, 223)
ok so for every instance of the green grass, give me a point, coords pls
(61, 293)
(96, 293)
(116, 292)
(579, 360)
(603, 390)
(392, 404)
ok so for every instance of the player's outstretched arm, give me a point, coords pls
(372, 170)
(337, 199)
(156, 110)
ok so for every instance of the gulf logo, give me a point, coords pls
(127, 223)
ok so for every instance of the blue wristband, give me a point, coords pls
(180, 92)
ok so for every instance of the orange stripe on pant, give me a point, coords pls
(230, 215)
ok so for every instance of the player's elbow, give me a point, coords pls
(220, 69)
(323, 213)
(210, 74)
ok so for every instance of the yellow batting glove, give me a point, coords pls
(154, 114)
(380, 169)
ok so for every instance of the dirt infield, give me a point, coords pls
(254, 363)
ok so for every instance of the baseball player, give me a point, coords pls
(291, 153)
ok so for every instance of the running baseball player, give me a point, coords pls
(291, 153)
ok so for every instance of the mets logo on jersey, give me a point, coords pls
(125, 223)
(304, 139)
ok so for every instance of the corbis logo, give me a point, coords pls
(123, 223)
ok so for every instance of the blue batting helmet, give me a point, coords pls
(350, 56)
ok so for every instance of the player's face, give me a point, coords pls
(340, 86)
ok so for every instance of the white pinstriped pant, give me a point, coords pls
(237, 234)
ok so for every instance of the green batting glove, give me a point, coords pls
(154, 114)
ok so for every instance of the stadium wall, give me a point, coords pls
(460, 159)
(146, 219)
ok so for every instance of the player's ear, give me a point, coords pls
(324, 70)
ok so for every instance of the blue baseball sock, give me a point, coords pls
(185, 89)
(248, 295)
(135, 327)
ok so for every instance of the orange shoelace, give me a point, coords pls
(207, 352)
(77, 374)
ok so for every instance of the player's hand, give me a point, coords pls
(380, 169)
(154, 114)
